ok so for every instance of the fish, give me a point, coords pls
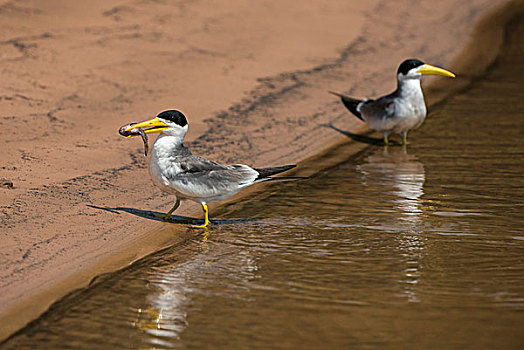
(133, 132)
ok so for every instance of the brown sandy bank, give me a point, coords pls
(251, 76)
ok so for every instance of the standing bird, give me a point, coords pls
(402, 110)
(174, 169)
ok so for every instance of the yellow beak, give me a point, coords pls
(152, 125)
(431, 70)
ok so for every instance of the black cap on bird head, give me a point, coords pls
(173, 116)
(408, 65)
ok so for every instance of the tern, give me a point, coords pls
(175, 170)
(402, 110)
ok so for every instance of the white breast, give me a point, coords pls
(162, 165)
(410, 108)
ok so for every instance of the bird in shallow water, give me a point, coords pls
(402, 110)
(174, 169)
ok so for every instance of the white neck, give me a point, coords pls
(409, 87)
(167, 145)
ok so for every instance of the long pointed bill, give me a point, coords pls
(430, 70)
(149, 126)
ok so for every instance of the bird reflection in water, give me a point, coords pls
(396, 169)
(173, 287)
(164, 319)
(165, 316)
(401, 177)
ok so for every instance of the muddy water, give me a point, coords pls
(390, 248)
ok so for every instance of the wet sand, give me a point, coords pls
(252, 79)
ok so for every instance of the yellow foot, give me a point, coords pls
(206, 217)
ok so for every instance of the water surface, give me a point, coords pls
(391, 248)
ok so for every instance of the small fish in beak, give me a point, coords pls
(126, 132)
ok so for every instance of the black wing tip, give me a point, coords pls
(352, 106)
(267, 172)
(283, 178)
(350, 103)
(336, 93)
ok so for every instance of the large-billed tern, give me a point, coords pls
(402, 110)
(174, 169)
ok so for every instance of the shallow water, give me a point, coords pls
(417, 248)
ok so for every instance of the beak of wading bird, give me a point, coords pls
(431, 70)
(148, 126)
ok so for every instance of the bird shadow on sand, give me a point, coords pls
(360, 138)
(175, 219)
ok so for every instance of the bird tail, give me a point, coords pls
(265, 174)
(350, 103)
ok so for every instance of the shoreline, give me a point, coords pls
(151, 238)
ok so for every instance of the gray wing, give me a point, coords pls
(191, 164)
(383, 108)
(203, 178)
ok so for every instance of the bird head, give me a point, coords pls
(170, 122)
(415, 69)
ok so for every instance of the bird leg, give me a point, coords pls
(206, 216)
(404, 138)
(386, 140)
(167, 216)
